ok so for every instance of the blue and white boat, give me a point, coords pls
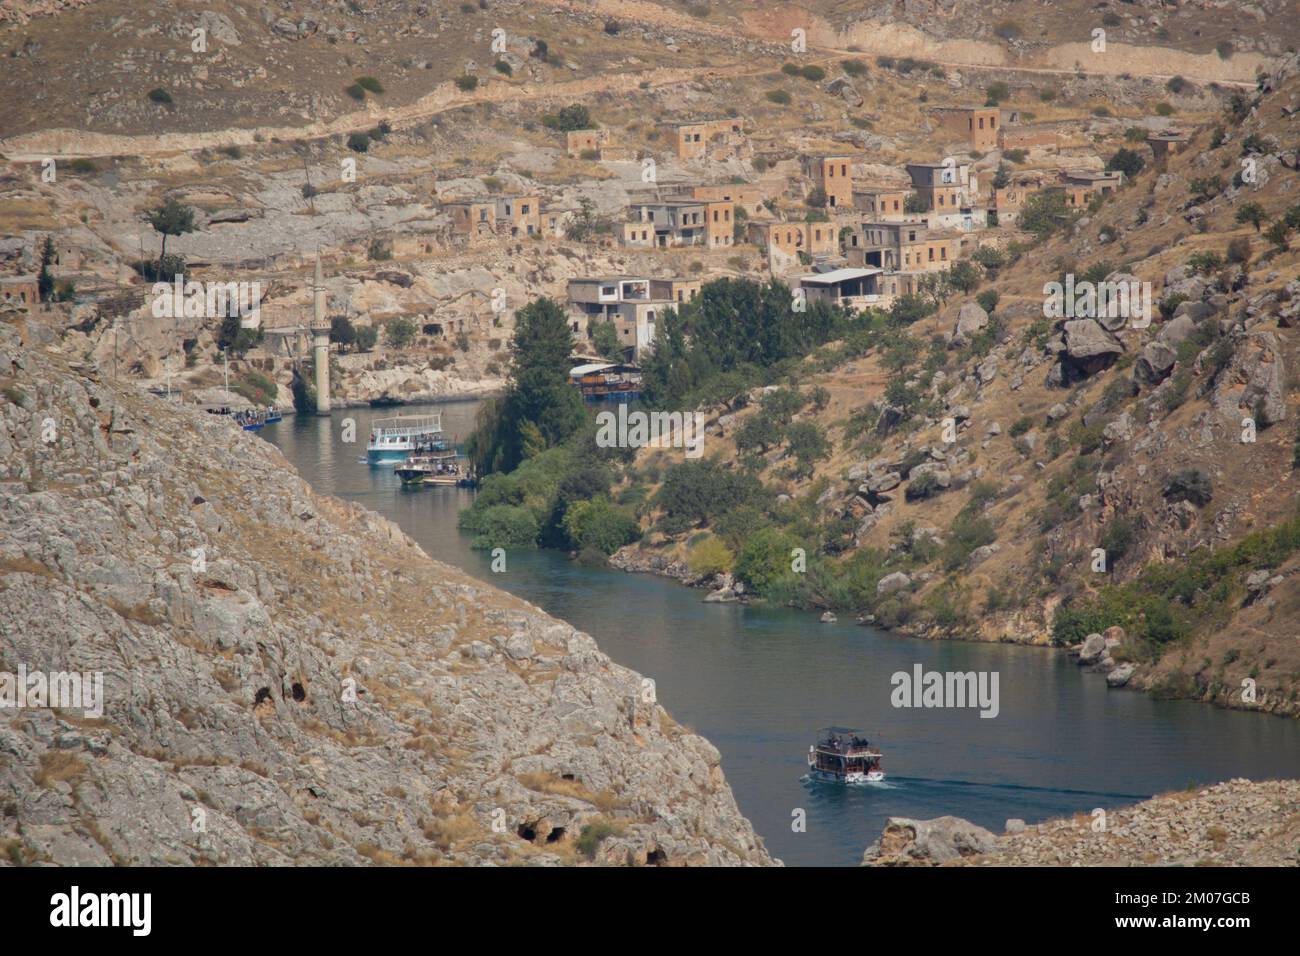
(392, 439)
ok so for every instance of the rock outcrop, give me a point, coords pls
(288, 678)
(1237, 823)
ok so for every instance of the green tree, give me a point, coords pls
(538, 395)
(1253, 213)
(765, 562)
(342, 332)
(400, 332)
(170, 219)
(45, 280)
(964, 276)
(1044, 213)
(1279, 234)
(604, 338)
(1126, 161)
(367, 337)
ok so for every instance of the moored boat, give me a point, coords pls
(842, 756)
(432, 463)
(393, 439)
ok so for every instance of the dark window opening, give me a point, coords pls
(526, 832)
(556, 835)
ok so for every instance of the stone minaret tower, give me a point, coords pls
(320, 341)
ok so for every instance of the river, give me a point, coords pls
(759, 682)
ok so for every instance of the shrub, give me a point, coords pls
(466, 82)
(764, 563)
(159, 95)
(854, 67)
(1020, 426)
(1189, 484)
(780, 97)
(356, 92)
(504, 68)
(988, 300)
(505, 526)
(358, 142)
(1239, 250)
(597, 525)
(814, 73)
(709, 556)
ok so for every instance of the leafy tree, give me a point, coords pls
(964, 276)
(572, 117)
(170, 219)
(765, 560)
(45, 280)
(342, 331)
(1253, 213)
(400, 332)
(807, 444)
(1044, 213)
(539, 405)
(1127, 161)
(367, 337)
(597, 525)
(604, 338)
(759, 431)
(1279, 234)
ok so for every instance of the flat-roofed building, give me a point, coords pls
(884, 205)
(519, 215)
(665, 223)
(791, 238)
(976, 125)
(633, 304)
(708, 137)
(833, 175)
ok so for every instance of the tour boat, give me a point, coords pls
(392, 439)
(432, 463)
(841, 756)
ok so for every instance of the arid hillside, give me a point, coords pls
(1034, 479)
(290, 679)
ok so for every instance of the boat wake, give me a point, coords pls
(809, 780)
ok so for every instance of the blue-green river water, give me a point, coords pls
(759, 682)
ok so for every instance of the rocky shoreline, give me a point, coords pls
(1236, 823)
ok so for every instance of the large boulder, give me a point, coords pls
(1254, 383)
(908, 842)
(1154, 364)
(897, 581)
(1094, 645)
(1086, 340)
(971, 321)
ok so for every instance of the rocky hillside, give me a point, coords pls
(1238, 823)
(290, 679)
(984, 456)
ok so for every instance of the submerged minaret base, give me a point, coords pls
(320, 341)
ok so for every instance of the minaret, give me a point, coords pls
(320, 341)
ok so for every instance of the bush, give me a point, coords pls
(505, 526)
(1239, 250)
(780, 97)
(356, 92)
(358, 142)
(814, 73)
(159, 95)
(466, 82)
(1189, 484)
(709, 556)
(1020, 426)
(854, 67)
(370, 84)
(597, 525)
(765, 562)
(988, 300)
(504, 68)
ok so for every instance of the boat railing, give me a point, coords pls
(407, 425)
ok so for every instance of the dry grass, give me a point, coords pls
(59, 766)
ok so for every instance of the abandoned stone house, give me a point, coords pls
(664, 223)
(949, 193)
(20, 291)
(1080, 188)
(472, 220)
(883, 205)
(901, 247)
(791, 238)
(710, 138)
(519, 216)
(978, 126)
(833, 175)
(746, 196)
(633, 304)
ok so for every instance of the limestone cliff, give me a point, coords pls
(288, 678)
